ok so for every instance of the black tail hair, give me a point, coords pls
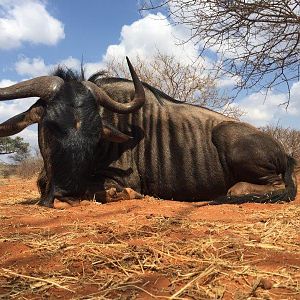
(284, 195)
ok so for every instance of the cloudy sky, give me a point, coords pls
(37, 35)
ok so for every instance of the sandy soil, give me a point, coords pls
(146, 249)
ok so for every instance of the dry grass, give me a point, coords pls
(29, 167)
(160, 258)
(26, 169)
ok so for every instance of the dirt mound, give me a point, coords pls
(146, 249)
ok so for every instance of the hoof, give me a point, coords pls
(61, 204)
(45, 203)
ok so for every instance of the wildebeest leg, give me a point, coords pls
(48, 199)
(246, 188)
(42, 183)
(46, 190)
(248, 155)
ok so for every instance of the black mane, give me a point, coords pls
(68, 74)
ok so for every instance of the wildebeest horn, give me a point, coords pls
(22, 120)
(122, 108)
(43, 87)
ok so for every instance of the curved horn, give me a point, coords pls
(43, 87)
(22, 120)
(122, 108)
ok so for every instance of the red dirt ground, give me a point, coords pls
(146, 249)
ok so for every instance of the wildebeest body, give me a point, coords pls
(111, 133)
(184, 152)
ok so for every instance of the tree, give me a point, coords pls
(184, 82)
(257, 40)
(289, 138)
(15, 146)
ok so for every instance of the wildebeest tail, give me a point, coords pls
(290, 179)
(289, 192)
(283, 195)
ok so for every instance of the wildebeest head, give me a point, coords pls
(70, 125)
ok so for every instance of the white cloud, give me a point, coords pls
(27, 21)
(33, 67)
(262, 110)
(143, 37)
(8, 109)
(11, 108)
(227, 81)
(295, 96)
(93, 67)
(70, 62)
(6, 82)
(151, 34)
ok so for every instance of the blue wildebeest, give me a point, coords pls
(106, 133)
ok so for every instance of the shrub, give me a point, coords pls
(29, 167)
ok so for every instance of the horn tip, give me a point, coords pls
(128, 60)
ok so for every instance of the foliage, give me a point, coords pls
(15, 146)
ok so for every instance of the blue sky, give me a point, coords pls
(36, 35)
(88, 29)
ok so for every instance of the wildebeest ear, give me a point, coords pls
(22, 120)
(112, 134)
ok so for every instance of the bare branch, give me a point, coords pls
(258, 39)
